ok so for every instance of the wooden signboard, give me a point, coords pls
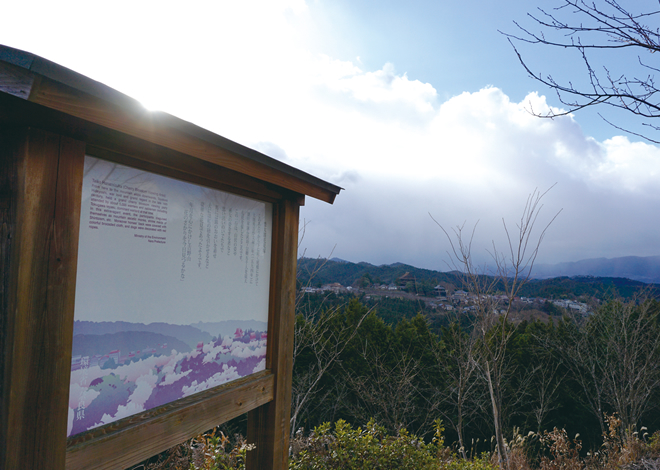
(147, 277)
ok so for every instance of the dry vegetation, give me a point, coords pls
(341, 446)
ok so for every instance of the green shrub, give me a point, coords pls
(480, 463)
(372, 449)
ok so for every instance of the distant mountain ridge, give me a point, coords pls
(126, 341)
(322, 271)
(186, 333)
(645, 269)
(229, 327)
(317, 272)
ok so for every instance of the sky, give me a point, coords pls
(419, 110)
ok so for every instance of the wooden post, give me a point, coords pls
(268, 425)
(40, 215)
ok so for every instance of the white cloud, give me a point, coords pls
(629, 166)
(380, 87)
(144, 387)
(69, 425)
(123, 411)
(81, 396)
(227, 374)
(261, 365)
(171, 377)
(256, 72)
(478, 159)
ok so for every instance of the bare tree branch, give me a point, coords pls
(491, 321)
(602, 25)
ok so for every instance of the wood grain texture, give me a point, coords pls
(129, 150)
(8, 188)
(133, 439)
(15, 80)
(39, 317)
(62, 271)
(153, 128)
(186, 168)
(268, 426)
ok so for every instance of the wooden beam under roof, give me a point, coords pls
(52, 86)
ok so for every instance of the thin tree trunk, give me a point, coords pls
(501, 449)
(460, 431)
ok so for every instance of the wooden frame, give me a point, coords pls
(49, 119)
(41, 220)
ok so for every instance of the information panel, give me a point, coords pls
(171, 292)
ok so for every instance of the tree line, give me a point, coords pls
(568, 373)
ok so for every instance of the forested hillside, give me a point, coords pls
(406, 358)
(318, 272)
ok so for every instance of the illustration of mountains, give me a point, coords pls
(229, 327)
(126, 341)
(185, 333)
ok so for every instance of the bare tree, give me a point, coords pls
(388, 392)
(633, 343)
(582, 355)
(606, 26)
(630, 358)
(547, 379)
(512, 270)
(614, 355)
(321, 337)
(455, 360)
(324, 342)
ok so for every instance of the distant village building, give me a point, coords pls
(572, 305)
(334, 287)
(460, 295)
(405, 279)
(440, 291)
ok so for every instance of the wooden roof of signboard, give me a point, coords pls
(37, 92)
